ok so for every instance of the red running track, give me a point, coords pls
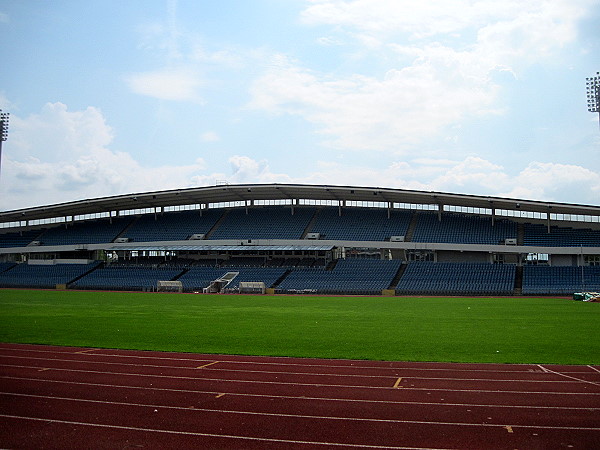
(64, 397)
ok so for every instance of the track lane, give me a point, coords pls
(250, 394)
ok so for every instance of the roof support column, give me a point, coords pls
(440, 210)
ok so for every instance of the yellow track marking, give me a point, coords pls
(220, 395)
(206, 365)
(86, 351)
(43, 370)
(397, 383)
(509, 428)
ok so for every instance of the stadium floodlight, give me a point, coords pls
(3, 131)
(3, 125)
(592, 85)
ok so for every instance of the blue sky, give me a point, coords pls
(469, 96)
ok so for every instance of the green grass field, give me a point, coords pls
(511, 330)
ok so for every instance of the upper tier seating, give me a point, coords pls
(457, 228)
(537, 234)
(43, 276)
(264, 223)
(172, 226)
(18, 239)
(360, 224)
(560, 280)
(350, 276)
(130, 278)
(431, 278)
(85, 232)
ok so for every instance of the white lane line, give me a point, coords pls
(219, 369)
(223, 358)
(591, 367)
(205, 366)
(197, 434)
(303, 397)
(569, 376)
(286, 383)
(295, 416)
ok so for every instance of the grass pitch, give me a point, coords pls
(505, 330)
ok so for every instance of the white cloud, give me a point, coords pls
(57, 133)
(560, 182)
(472, 175)
(392, 112)
(60, 155)
(180, 84)
(210, 136)
(440, 62)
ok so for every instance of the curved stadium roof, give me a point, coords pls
(275, 191)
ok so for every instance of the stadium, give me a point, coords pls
(359, 317)
(296, 239)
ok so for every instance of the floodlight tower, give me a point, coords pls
(592, 85)
(3, 132)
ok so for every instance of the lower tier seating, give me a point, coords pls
(445, 278)
(43, 276)
(350, 276)
(128, 278)
(560, 280)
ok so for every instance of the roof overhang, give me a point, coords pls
(220, 248)
(275, 191)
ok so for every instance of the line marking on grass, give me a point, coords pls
(397, 383)
(206, 365)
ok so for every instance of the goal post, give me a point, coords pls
(169, 286)
(252, 287)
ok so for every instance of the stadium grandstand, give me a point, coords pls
(305, 239)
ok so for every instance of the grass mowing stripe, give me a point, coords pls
(496, 330)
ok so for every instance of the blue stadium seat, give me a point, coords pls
(559, 280)
(264, 223)
(360, 224)
(85, 232)
(43, 276)
(462, 229)
(442, 278)
(172, 226)
(537, 235)
(350, 276)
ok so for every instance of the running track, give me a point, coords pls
(64, 397)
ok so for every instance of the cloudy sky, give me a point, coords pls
(467, 96)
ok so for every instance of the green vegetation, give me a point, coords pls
(515, 330)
